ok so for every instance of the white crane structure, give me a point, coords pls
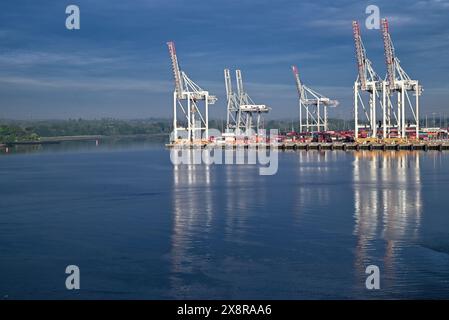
(398, 82)
(191, 101)
(314, 106)
(243, 115)
(368, 81)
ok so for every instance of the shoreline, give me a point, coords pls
(323, 146)
(79, 138)
(421, 146)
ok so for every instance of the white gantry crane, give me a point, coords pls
(233, 114)
(243, 114)
(367, 81)
(397, 81)
(187, 99)
(314, 105)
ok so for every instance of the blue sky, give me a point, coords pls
(117, 64)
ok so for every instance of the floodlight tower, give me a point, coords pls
(314, 105)
(188, 98)
(242, 113)
(398, 81)
(369, 82)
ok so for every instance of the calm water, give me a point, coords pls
(139, 228)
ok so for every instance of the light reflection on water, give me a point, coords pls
(387, 205)
(226, 201)
(205, 208)
(188, 220)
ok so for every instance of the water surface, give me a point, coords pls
(138, 227)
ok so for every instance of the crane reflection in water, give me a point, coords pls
(210, 207)
(387, 207)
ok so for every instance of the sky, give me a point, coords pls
(117, 65)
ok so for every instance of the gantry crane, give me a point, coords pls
(367, 81)
(314, 106)
(243, 115)
(398, 81)
(233, 114)
(188, 98)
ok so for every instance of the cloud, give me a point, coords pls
(90, 84)
(121, 48)
(27, 58)
(401, 20)
(442, 4)
(331, 23)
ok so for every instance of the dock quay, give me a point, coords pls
(321, 146)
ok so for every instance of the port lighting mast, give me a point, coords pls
(314, 105)
(191, 101)
(398, 82)
(243, 114)
(369, 82)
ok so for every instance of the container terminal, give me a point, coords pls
(386, 110)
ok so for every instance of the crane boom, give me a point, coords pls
(298, 82)
(360, 54)
(240, 92)
(228, 83)
(175, 67)
(389, 54)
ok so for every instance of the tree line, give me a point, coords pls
(33, 130)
